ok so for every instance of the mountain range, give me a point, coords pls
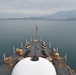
(61, 15)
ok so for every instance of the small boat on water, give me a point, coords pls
(35, 51)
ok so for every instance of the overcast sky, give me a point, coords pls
(34, 7)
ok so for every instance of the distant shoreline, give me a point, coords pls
(71, 19)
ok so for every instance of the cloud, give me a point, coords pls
(27, 11)
(38, 4)
(37, 7)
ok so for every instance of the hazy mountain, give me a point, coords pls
(62, 15)
(71, 15)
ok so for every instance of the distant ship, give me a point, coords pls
(36, 50)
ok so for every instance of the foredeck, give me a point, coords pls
(36, 49)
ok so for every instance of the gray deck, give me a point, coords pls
(36, 48)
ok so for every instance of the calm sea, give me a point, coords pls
(61, 34)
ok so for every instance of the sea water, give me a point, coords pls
(61, 34)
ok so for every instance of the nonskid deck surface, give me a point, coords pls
(36, 49)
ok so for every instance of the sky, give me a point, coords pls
(29, 8)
